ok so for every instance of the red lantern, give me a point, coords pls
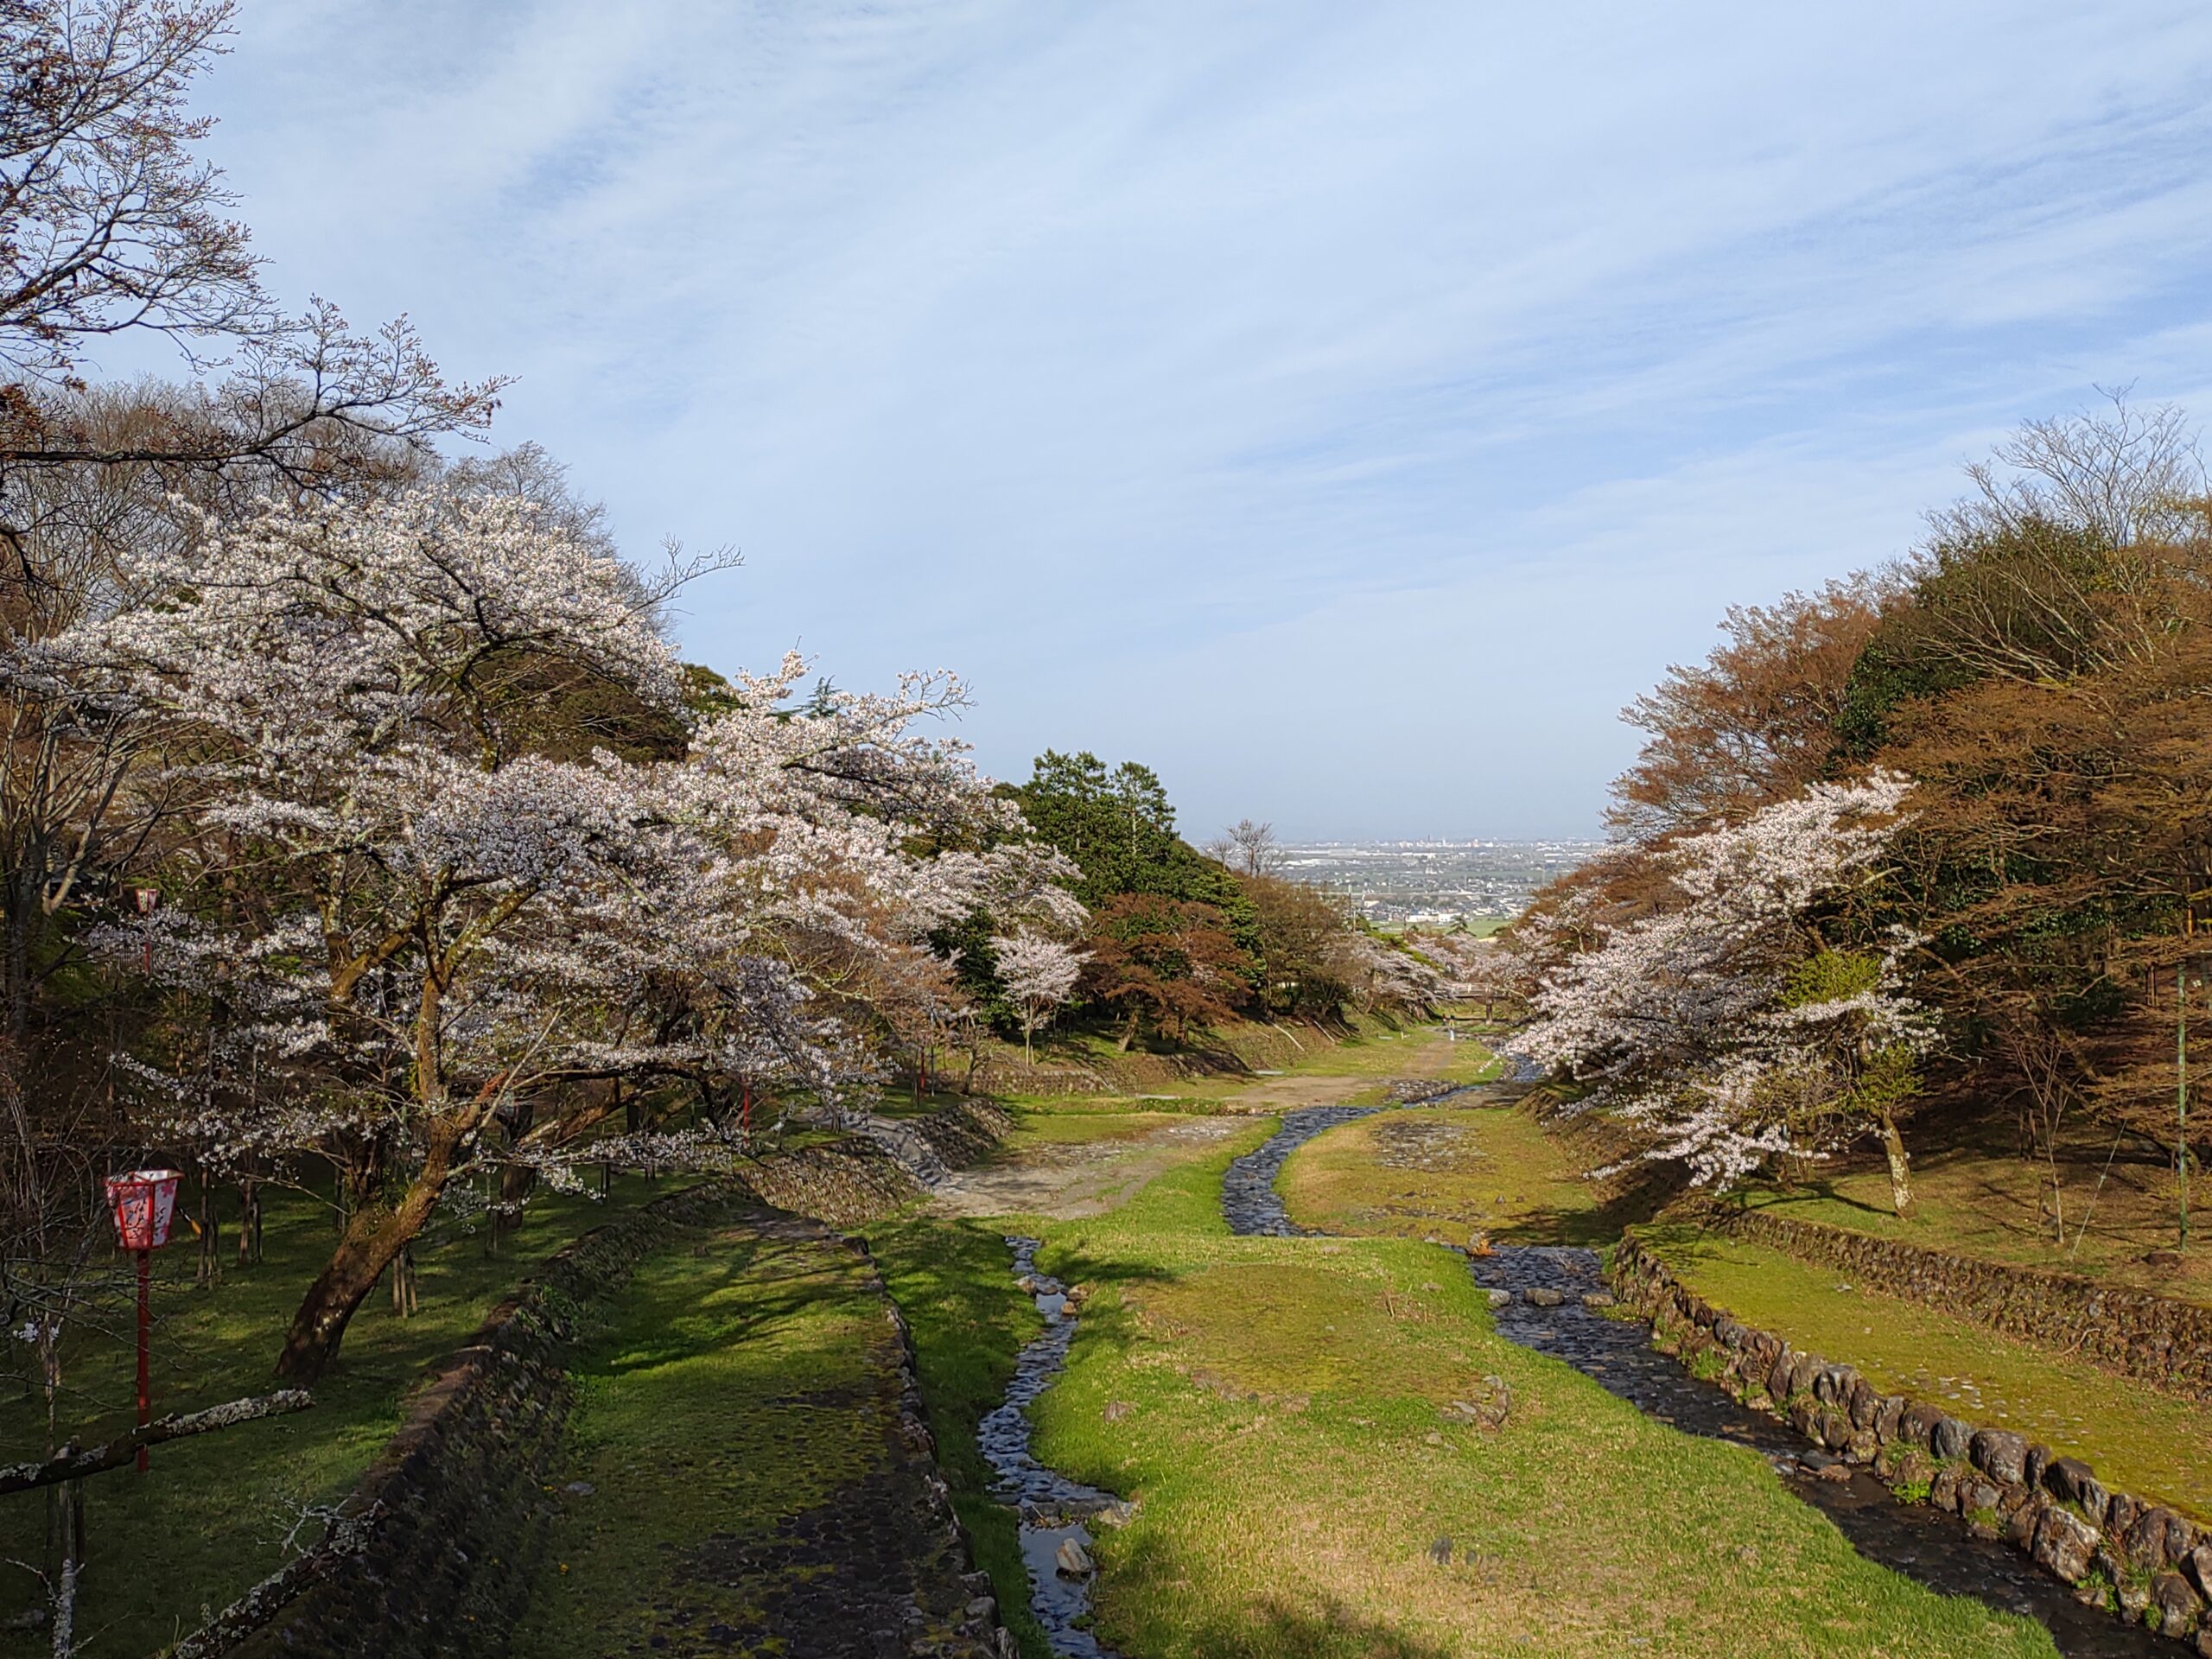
(144, 1202)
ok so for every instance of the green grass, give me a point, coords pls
(730, 1394)
(1978, 1198)
(1038, 1129)
(1281, 1425)
(1445, 1170)
(209, 1518)
(954, 1282)
(2137, 1439)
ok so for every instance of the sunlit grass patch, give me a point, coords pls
(1293, 1492)
(2137, 1439)
(1450, 1171)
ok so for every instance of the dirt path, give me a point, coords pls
(1430, 1055)
(1065, 1182)
(1068, 1181)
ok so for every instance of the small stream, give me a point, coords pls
(1924, 1544)
(1248, 1197)
(1053, 1508)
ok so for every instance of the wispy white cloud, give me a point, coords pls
(1248, 386)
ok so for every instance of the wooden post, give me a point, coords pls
(145, 1340)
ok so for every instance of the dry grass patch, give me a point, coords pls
(1447, 1171)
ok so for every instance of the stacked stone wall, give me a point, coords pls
(435, 1548)
(444, 1524)
(2135, 1557)
(2154, 1339)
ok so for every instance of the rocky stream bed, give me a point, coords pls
(1055, 1542)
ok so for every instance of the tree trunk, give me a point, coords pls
(1900, 1165)
(371, 1240)
(249, 1221)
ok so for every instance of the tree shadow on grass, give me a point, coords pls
(1272, 1629)
(1267, 1626)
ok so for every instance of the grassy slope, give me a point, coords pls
(1285, 1440)
(209, 1518)
(709, 1410)
(2137, 1439)
(1371, 1048)
(1445, 1169)
(953, 1281)
(1978, 1198)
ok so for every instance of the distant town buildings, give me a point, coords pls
(1434, 883)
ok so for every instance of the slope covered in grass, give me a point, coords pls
(2137, 1439)
(1282, 1410)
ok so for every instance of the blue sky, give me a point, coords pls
(1345, 408)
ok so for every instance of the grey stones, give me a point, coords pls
(2064, 1545)
(1864, 1404)
(1595, 1299)
(2157, 1537)
(2200, 1568)
(1887, 1419)
(1441, 1552)
(1949, 1438)
(1072, 1559)
(1543, 1296)
(1777, 1375)
(2071, 1481)
(580, 1489)
(1114, 1410)
(1798, 1379)
(1498, 1298)
(1489, 1410)
(2001, 1454)
(2177, 1604)
(1919, 1424)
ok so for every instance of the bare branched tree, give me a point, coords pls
(1247, 847)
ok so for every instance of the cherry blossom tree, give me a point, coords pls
(437, 927)
(1720, 1022)
(1039, 976)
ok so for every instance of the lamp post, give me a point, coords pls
(146, 898)
(144, 1201)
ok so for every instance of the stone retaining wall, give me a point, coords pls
(964, 1132)
(2156, 1339)
(446, 1519)
(2140, 1561)
(851, 1182)
(435, 1548)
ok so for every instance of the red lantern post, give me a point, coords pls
(144, 1202)
(147, 898)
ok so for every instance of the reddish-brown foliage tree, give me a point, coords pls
(1755, 721)
(1168, 959)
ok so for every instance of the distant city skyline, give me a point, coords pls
(1344, 410)
(1399, 880)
